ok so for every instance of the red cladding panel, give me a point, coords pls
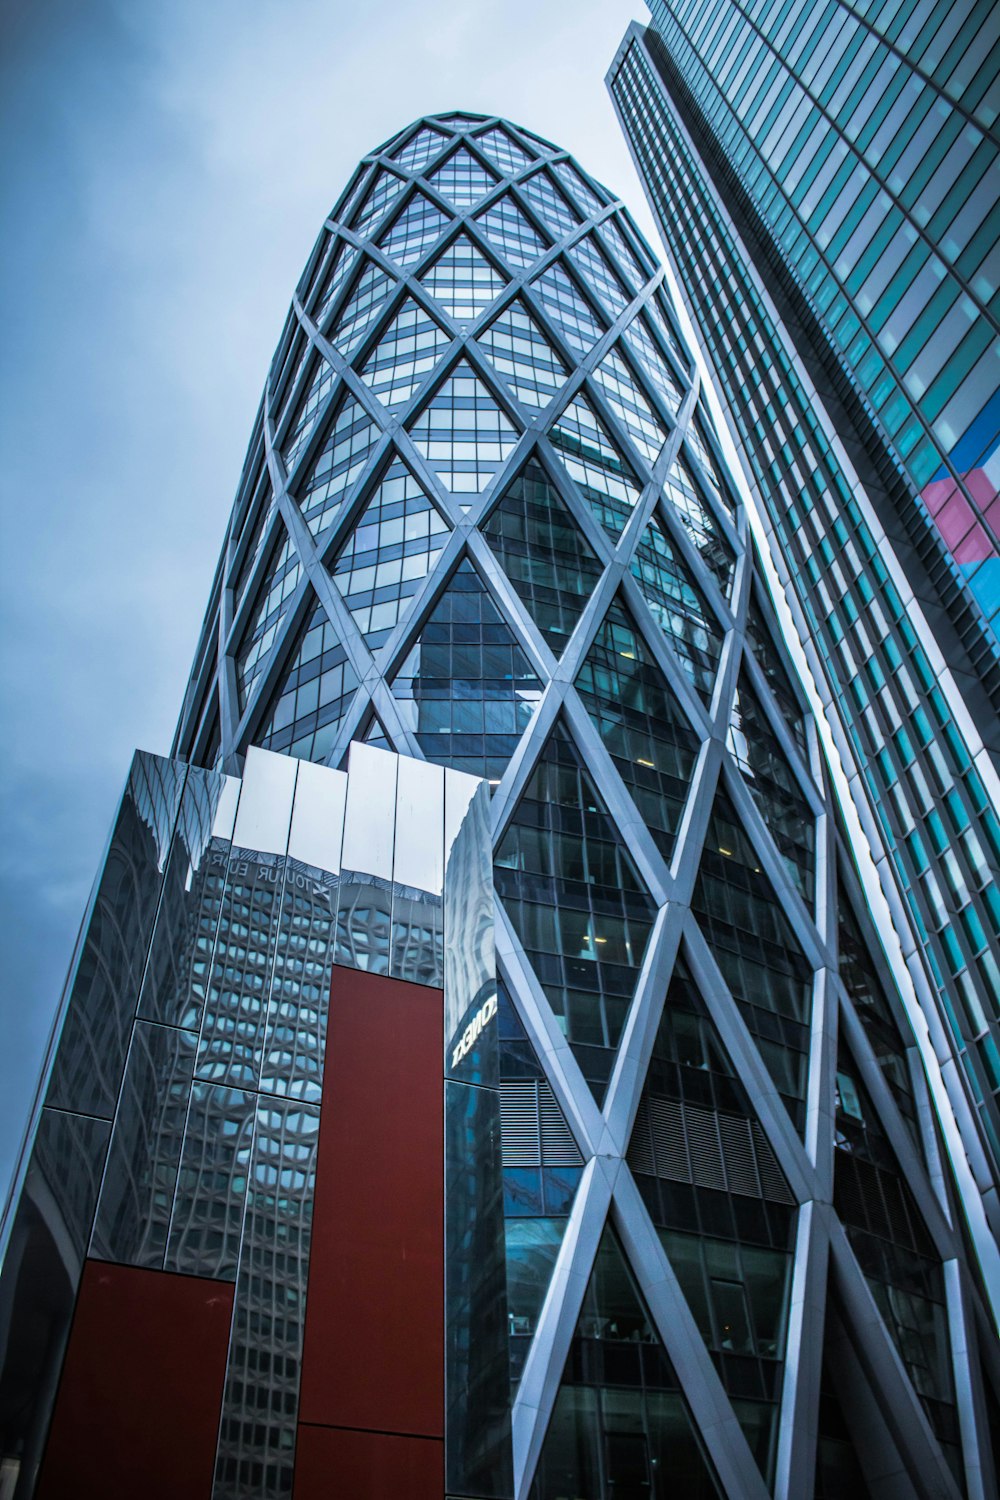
(374, 1337)
(367, 1466)
(138, 1405)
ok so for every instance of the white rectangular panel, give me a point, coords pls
(419, 855)
(225, 812)
(265, 810)
(370, 820)
(459, 790)
(318, 817)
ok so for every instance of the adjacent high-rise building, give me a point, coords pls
(640, 1180)
(825, 178)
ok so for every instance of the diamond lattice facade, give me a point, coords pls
(485, 523)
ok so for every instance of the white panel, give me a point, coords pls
(459, 790)
(419, 855)
(265, 810)
(318, 817)
(370, 820)
(225, 813)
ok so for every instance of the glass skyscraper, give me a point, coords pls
(689, 1220)
(825, 180)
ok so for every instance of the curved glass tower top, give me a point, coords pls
(468, 328)
(484, 521)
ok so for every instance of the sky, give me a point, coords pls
(164, 170)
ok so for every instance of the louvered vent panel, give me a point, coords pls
(667, 1125)
(559, 1149)
(772, 1179)
(640, 1147)
(738, 1156)
(688, 1144)
(519, 1138)
(704, 1149)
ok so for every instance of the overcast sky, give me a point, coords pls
(164, 168)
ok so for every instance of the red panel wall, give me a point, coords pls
(137, 1412)
(367, 1466)
(374, 1338)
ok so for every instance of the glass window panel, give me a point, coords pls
(418, 227)
(517, 348)
(562, 859)
(463, 433)
(506, 226)
(421, 148)
(384, 189)
(544, 554)
(678, 606)
(650, 742)
(346, 446)
(773, 787)
(407, 351)
(505, 151)
(385, 559)
(137, 1193)
(462, 179)
(314, 694)
(567, 308)
(467, 689)
(630, 406)
(462, 280)
(699, 523)
(592, 460)
(757, 952)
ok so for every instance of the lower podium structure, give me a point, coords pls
(225, 1265)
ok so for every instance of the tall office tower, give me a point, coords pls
(825, 180)
(484, 522)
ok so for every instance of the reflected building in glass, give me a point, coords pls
(565, 1135)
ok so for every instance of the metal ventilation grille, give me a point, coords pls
(533, 1129)
(710, 1150)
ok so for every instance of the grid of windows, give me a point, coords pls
(388, 554)
(879, 182)
(339, 460)
(505, 224)
(646, 735)
(463, 433)
(317, 388)
(505, 151)
(418, 227)
(276, 588)
(467, 689)
(421, 148)
(462, 179)
(550, 203)
(567, 308)
(543, 553)
(630, 406)
(516, 346)
(384, 189)
(678, 606)
(591, 458)
(315, 694)
(577, 903)
(462, 280)
(407, 351)
(361, 308)
(933, 812)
